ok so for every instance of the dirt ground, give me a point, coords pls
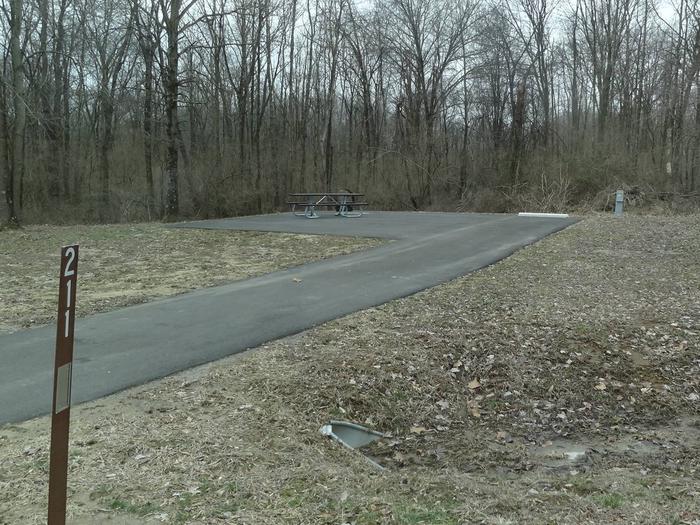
(560, 385)
(123, 264)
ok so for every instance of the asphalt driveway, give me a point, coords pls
(134, 345)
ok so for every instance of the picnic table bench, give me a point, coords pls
(346, 204)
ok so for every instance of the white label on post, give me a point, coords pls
(70, 252)
(63, 379)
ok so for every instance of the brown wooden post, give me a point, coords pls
(62, 376)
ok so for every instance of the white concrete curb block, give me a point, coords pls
(548, 215)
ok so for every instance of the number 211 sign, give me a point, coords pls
(60, 415)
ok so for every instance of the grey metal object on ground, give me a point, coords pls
(619, 201)
(352, 436)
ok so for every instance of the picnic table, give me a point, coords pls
(346, 204)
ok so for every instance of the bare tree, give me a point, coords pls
(14, 130)
(110, 34)
(427, 43)
(605, 24)
(148, 33)
(173, 12)
(231, 104)
(334, 14)
(536, 42)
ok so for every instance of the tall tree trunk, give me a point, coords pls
(148, 127)
(5, 145)
(694, 177)
(518, 125)
(59, 118)
(48, 118)
(172, 206)
(292, 105)
(328, 157)
(104, 149)
(16, 171)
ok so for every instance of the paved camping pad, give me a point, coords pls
(140, 343)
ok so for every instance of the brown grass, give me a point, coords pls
(588, 339)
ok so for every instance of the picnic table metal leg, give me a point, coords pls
(310, 212)
(345, 209)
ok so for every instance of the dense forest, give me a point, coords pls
(137, 109)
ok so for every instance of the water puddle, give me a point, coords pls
(560, 453)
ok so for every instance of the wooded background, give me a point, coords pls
(134, 109)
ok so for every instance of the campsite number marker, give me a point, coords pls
(60, 415)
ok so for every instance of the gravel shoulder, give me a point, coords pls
(560, 385)
(124, 264)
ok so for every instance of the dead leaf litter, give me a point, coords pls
(559, 385)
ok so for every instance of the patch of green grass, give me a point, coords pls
(184, 503)
(612, 500)
(205, 486)
(336, 413)
(399, 395)
(228, 506)
(646, 482)
(583, 329)
(295, 501)
(233, 499)
(100, 491)
(118, 504)
(415, 515)
(560, 498)
(369, 517)
(505, 507)
(140, 509)
(181, 517)
(41, 464)
(293, 493)
(583, 486)
(185, 500)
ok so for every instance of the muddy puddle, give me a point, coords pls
(637, 446)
